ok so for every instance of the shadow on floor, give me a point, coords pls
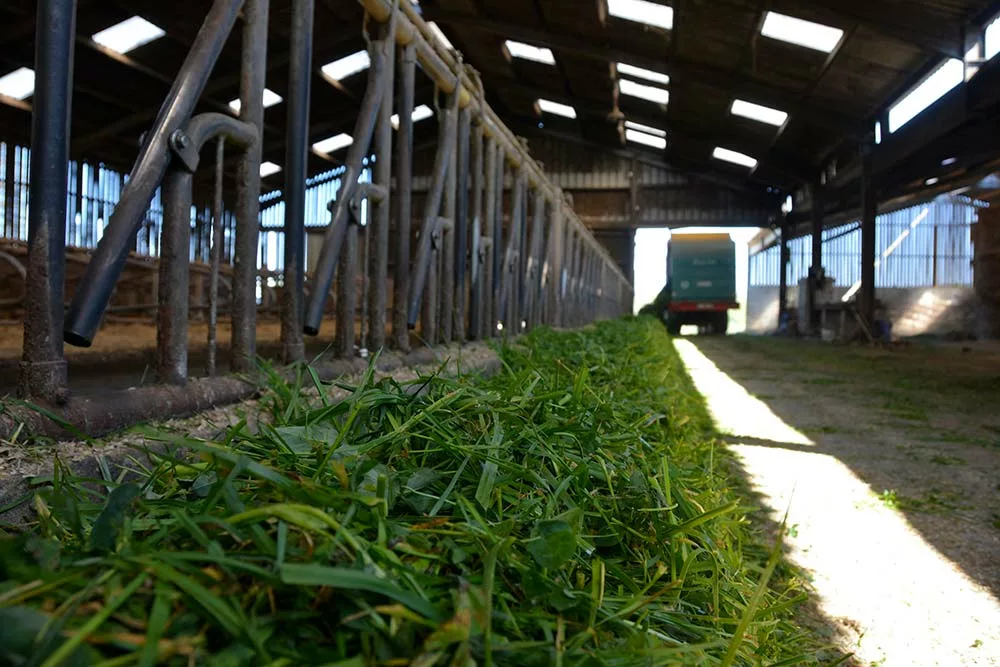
(885, 461)
(936, 467)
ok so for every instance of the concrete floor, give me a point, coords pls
(886, 462)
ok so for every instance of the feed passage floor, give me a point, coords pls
(887, 462)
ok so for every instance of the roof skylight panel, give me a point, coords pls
(642, 91)
(270, 99)
(128, 35)
(269, 169)
(801, 32)
(642, 73)
(643, 11)
(538, 54)
(421, 112)
(340, 69)
(333, 144)
(556, 108)
(758, 112)
(734, 157)
(646, 139)
(632, 125)
(950, 74)
(19, 84)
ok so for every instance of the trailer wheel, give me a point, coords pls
(720, 323)
(673, 325)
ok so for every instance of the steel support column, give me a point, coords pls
(493, 233)
(347, 294)
(43, 366)
(498, 235)
(476, 264)
(172, 296)
(404, 195)
(816, 273)
(296, 153)
(535, 262)
(378, 230)
(783, 256)
(426, 252)
(869, 212)
(215, 254)
(9, 190)
(556, 275)
(448, 247)
(461, 223)
(244, 304)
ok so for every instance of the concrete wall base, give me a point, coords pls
(917, 311)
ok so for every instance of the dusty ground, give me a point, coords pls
(888, 464)
(123, 353)
(138, 336)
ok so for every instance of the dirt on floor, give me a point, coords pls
(886, 459)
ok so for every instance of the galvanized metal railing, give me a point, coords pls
(469, 277)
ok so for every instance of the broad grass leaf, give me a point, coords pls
(309, 574)
(552, 543)
(104, 535)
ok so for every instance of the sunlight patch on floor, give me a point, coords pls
(872, 571)
(745, 415)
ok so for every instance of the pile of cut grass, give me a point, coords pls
(570, 510)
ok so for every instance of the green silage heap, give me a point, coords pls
(571, 510)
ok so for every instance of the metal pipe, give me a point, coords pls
(429, 312)
(296, 155)
(215, 255)
(520, 260)
(535, 261)
(244, 304)
(559, 235)
(43, 366)
(172, 297)
(545, 295)
(498, 246)
(347, 294)
(783, 273)
(461, 223)
(490, 212)
(449, 235)
(442, 67)
(104, 268)
(869, 216)
(363, 130)
(404, 195)
(188, 142)
(509, 286)
(10, 189)
(816, 268)
(378, 267)
(432, 207)
(119, 409)
(476, 264)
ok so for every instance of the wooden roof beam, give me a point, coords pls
(909, 24)
(753, 90)
(794, 168)
(690, 166)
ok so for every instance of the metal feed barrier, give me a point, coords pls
(469, 276)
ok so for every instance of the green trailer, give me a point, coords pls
(701, 282)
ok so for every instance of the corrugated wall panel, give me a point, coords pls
(920, 246)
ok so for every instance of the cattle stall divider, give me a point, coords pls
(482, 266)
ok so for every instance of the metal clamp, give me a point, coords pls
(187, 143)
